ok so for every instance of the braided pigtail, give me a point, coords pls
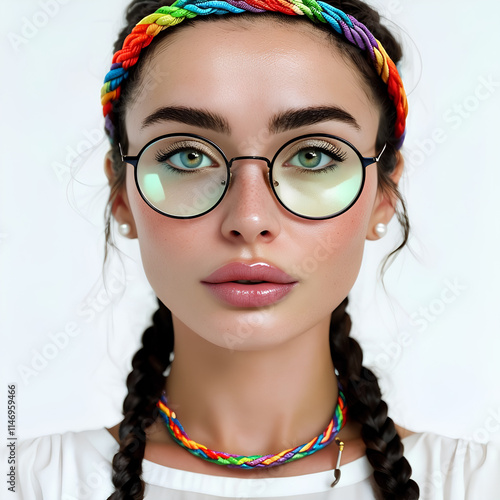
(384, 448)
(145, 384)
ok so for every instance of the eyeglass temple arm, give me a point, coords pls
(377, 158)
(128, 159)
(374, 159)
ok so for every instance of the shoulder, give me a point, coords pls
(69, 466)
(447, 467)
(402, 432)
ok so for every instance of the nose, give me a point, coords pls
(251, 212)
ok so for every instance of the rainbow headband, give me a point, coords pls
(345, 25)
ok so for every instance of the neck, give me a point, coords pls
(252, 402)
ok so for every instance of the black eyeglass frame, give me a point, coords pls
(365, 162)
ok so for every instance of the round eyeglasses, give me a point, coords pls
(314, 176)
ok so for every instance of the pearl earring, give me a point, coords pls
(124, 229)
(381, 229)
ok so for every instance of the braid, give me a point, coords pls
(384, 448)
(145, 384)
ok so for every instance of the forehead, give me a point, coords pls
(247, 70)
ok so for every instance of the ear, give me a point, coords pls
(385, 203)
(120, 206)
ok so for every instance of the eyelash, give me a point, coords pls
(335, 152)
(338, 154)
(163, 155)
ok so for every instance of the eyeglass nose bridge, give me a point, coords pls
(262, 158)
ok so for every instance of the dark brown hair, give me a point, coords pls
(145, 382)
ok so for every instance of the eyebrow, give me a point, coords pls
(190, 116)
(291, 119)
(281, 122)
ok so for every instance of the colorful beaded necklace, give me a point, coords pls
(254, 461)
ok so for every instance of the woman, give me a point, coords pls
(267, 143)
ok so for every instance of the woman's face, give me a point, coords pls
(247, 73)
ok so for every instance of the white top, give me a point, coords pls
(77, 466)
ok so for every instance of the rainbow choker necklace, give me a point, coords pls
(255, 461)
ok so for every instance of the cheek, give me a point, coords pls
(172, 250)
(339, 244)
(162, 240)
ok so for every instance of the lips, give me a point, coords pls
(249, 285)
(236, 271)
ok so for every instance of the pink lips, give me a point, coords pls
(271, 285)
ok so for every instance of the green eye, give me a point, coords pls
(311, 158)
(190, 159)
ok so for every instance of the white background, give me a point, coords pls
(439, 369)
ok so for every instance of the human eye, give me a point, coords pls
(185, 157)
(317, 155)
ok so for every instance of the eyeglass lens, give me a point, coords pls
(314, 177)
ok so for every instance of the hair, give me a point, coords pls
(146, 381)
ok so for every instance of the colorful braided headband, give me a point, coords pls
(255, 461)
(345, 25)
